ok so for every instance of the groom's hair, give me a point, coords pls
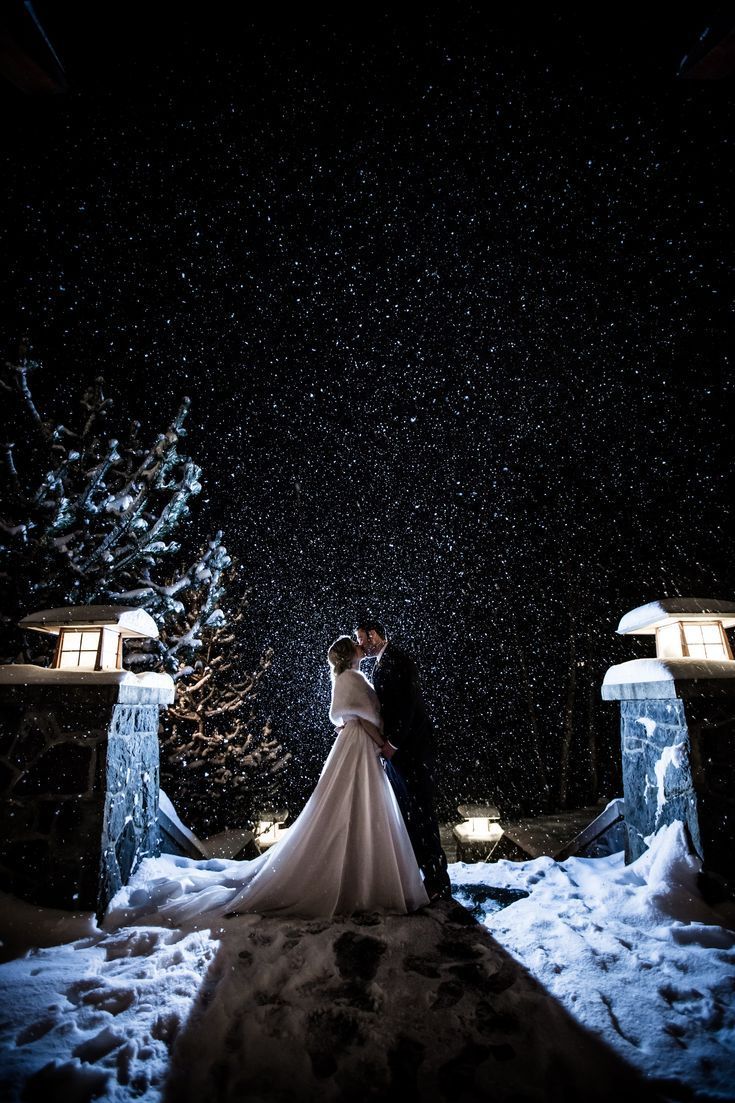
(371, 626)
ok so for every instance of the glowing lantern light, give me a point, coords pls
(269, 828)
(90, 636)
(685, 628)
(479, 833)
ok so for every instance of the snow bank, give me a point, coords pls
(98, 1015)
(25, 926)
(633, 952)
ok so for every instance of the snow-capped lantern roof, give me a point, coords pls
(89, 651)
(644, 620)
(126, 620)
(693, 653)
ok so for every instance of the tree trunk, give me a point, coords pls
(533, 724)
(592, 740)
(568, 718)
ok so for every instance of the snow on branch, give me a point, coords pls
(90, 518)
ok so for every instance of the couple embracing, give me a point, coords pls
(393, 714)
(367, 839)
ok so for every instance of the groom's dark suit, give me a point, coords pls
(408, 728)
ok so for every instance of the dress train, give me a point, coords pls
(348, 851)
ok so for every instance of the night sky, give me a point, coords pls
(450, 297)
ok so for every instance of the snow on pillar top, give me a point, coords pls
(693, 655)
(660, 679)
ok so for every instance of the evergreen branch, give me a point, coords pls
(20, 376)
(98, 475)
(170, 515)
(12, 471)
(94, 401)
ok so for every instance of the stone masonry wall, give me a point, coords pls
(678, 758)
(657, 775)
(78, 789)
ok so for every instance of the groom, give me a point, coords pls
(411, 748)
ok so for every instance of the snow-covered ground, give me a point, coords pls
(633, 952)
(251, 1008)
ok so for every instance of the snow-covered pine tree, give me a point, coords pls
(215, 763)
(87, 518)
(210, 729)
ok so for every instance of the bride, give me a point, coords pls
(349, 850)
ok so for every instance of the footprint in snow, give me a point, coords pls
(448, 994)
(36, 1030)
(94, 1049)
(66, 1081)
(358, 956)
(424, 966)
(139, 943)
(330, 1031)
(92, 994)
(674, 995)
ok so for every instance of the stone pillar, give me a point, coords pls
(657, 772)
(79, 780)
(678, 748)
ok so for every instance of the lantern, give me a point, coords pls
(677, 728)
(269, 828)
(90, 636)
(479, 833)
(685, 628)
(81, 794)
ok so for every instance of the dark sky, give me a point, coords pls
(450, 295)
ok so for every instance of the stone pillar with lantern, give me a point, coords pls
(79, 760)
(678, 730)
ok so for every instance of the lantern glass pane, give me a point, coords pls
(668, 642)
(109, 649)
(704, 641)
(78, 650)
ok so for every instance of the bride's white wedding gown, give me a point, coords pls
(348, 851)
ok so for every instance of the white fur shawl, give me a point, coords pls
(353, 696)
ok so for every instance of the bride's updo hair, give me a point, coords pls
(340, 655)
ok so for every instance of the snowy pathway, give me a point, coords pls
(427, 1007)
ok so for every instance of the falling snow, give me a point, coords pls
(449, 297)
